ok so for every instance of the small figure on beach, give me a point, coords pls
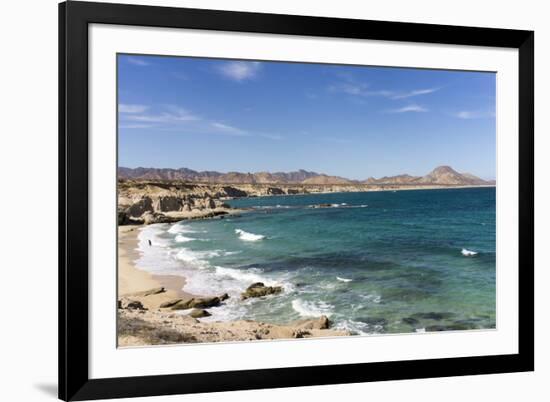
(149, 241)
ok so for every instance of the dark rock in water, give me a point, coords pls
(205, 301)
(461, 325)
(322, 205)
(202, 302)
(434, 328)
(170, 303)
(198, 313)
(410, 320)
(433, 315)
(223, 297)
(258, 289)
(300, 284)
(374, 321)
(456, 326)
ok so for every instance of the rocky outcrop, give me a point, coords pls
(158, 327)
(129, 304)
(196, 302)
(258, 289)
(150, 292)
(160, 202)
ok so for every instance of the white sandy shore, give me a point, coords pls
(154, 325)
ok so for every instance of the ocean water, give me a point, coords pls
(373, 262)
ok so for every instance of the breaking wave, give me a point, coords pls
(246, 236)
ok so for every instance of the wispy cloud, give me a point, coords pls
(415, 92)
(473, 114)
(227, 129)
(135, 126)
(126, 108)
(172, 115)
(240, 70)
(137, 61)
(408, 109)
(349, 85)
(178, 119)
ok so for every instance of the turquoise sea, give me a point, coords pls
(374, 262)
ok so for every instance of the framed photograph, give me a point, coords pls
(257, 201)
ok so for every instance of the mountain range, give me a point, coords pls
(442, 175)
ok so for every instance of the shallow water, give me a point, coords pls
(374, 262)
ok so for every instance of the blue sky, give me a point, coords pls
(350, 121)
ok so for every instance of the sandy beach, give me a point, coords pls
(132, 280)
(142, 321)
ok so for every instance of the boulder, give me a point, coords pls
(202, 302)
(156, 217)
(150, 292)
(198, 313)
(130, 304)
(258, 289)
(170, 303)
(205, 301)
(223, 297)
(319, 323)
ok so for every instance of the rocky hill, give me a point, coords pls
(442, 175)
(185, 174)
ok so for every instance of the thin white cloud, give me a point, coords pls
(240, 70)
(351, 86)
(415, 92)
(174, 118)
(137, 61)
(227, 129)
(473, 114)
(135, 126)
(126, 108)
(408, 109)
(173, 115)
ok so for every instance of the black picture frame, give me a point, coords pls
(74, 19)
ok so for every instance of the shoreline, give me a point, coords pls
(141, 320)
(131, 280)
(361, 191)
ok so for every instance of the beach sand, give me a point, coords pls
(132, 280)
(153, 325)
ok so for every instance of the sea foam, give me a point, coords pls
(468, 253)
(246, 236)
(343, 279)
(183, 239)
(312, 309)
(179, 228)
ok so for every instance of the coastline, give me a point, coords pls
(141, 320)
(132, 281)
